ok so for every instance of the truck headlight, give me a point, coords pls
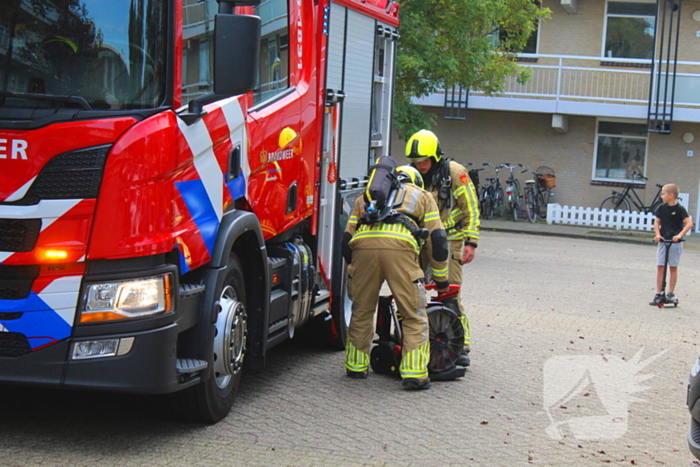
(133, 298)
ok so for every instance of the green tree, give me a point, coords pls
(454, 42)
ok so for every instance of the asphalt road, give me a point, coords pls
(571, 367)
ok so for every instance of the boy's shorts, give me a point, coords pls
(674, 254)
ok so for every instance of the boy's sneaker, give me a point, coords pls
(658, 298)
(671, 298)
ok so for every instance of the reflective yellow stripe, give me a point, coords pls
(415, 363)
(431, 216)
(352, 220)
(354, 359)
(381, 230)
(465, 324)
(473, 207)
(440, 274)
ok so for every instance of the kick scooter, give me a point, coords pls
(664, 300)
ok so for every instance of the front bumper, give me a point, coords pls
(149, 368)
(150, 365)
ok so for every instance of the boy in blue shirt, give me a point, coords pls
(672, 223)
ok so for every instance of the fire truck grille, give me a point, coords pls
(13, 344)
(19, 235)
(71, 184)
(16, 282)
(72, 175)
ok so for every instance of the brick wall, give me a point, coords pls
(573, 34)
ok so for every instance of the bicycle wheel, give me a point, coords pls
(543, 196)
(654, 207)
(515, 209)
(499, 205)
(515, 203)
(615, 203)
(531, 204)
(487, 208)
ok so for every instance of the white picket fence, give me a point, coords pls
(596, 217)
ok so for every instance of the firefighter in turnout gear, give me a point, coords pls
(388, 250)
(458, 204)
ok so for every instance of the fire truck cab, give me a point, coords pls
(175, 176)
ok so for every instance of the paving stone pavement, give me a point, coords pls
(533, 301)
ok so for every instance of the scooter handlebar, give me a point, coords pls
(663, 240)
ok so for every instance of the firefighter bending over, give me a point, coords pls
(458, 204)
(388, 250)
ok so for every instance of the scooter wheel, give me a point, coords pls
(661, 305)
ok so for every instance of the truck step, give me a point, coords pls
(281, 324)
(188, 290)
(185, 366)
(276, 263)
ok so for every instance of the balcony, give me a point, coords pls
(590, 86)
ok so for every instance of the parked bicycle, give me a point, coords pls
(538, 191)
(491, 196)
(513, 191)
(621, 201)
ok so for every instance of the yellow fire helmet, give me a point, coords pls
(287, 135)
(422, 145)
(408, 174)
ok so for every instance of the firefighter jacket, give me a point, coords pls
(459, 209)
(419, 207)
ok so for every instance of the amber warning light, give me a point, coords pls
(53, 255)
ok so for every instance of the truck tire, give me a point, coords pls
(212, 399)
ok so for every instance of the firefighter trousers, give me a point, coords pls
(454, 275)
(400, 269)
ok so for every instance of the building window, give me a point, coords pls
(204, 62)
(629, 30)
(273, 72)
(197, 45)
(501, 39)
(620, 151)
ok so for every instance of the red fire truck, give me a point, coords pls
(174, 179)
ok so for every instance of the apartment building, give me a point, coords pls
(615, 89)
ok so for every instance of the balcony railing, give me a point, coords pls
(595, 80)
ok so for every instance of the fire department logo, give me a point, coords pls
(464, 179)
(263, 157)
(610, 379)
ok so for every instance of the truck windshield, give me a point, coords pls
(90, 54)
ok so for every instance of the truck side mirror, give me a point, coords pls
(236, 53)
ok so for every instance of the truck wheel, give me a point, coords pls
(211, 400)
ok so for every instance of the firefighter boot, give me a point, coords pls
(463, 359)
(415, 383)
